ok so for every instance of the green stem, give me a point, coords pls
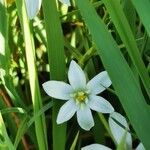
(101, 116)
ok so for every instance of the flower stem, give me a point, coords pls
(105, 123)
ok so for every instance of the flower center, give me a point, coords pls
(81, 96)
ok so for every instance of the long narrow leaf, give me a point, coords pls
(55, 49)
(5, 140)
(122, 77)
(40, 126)
(143, 8)
(123, 27)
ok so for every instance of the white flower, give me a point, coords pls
(33, 6)
(95, 147)
(119, 129)
(67, 2)
(102, 147)
(81, 96)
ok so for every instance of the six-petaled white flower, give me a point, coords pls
(81, 96)
(33, 6)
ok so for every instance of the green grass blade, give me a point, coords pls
(40, 126)
(5, 142)
(75, 141)
(3, 36)
(55, 49)
(28, 121)
(14, 110)
(130, 13)
(124, 30)
(5, 55)
(21, 130)
(121, 75)
(143, 9)
(9, 120)
(5, 64)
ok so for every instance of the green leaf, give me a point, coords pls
(75, 141)
(55, 49)
(124, 30)
(27, 122)
(13, 109)
(5, 142)
(143, 8)
(40, 126)
(121, 75)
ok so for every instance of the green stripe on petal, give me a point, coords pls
(32, 7)
(76, 76)
(85, 118)
(100, 104)
(66, 111)
(58, 89)
(95, 147)
(99, 83)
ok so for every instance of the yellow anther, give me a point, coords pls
(81, 96)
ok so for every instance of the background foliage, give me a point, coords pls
(110, 35)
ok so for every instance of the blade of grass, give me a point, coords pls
(5, 55)
(5, 140)
(8, 117)
(75, 141)
(121, 75)
(3, 29)
(55, 49)
(143, 9)
(40, 126)
(28, 121)
(14, 110)
(5, 64)
(130, 13)
(124, 30)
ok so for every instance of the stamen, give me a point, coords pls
(81, 96)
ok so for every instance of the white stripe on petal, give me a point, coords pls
(67, 2)
(85, 118)
(66, 111)
(33, 7)
(99, 83)
(95, 147)
(58, 89)
(100, 104)
(76, 76)
(118, 131)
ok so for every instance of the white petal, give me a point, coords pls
(118, 131)
(76, 76)
(99, 83)
(33, 7)
(140, 147)
(85, 118)
(58, 89)
(95, 147)
(100, 104)
(67, 2)
(66, 111)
